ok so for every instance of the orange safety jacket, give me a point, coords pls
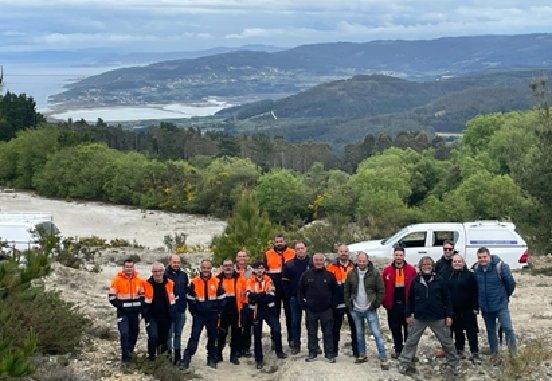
(260, 293)
(340, 272)
(127, 294)
(234, 289)
(169, 296)
(274, 263)
(206, 295)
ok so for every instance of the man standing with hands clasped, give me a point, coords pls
(428, 305)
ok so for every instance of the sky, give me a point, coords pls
(190, 25)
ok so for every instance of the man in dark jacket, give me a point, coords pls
(465, 304)
(495, 286)
(180, 280)
(443, 266)
(205, 302)
(318, 295)
(159, 310)
(291, 274)
(428, 305)
(363, 296)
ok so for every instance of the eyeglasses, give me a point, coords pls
(448, 248)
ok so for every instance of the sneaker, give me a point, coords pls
(361, 359)
(259, 365)
(439, 353)
(384, 364)
(311, 358)
(281, 355)
(332, 360)
(476, 359)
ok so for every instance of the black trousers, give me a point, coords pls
(398, 326)
(326, 321)
(158, 333)
(246, 328)
(269, 316)
(465, 321)
(338, 315)
(209, 320)
(282, 299)
(229, 322)
(129, 327)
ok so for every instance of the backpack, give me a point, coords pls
(498, 268)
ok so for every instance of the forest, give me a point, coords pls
(499, 170)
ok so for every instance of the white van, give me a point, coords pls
(420, 240)
(20, 237)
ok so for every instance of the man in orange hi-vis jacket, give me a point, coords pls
(127, 294)
(260, 295)
(205, 302)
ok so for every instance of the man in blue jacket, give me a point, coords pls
(180, 280)
(495, 285)
(428, 305)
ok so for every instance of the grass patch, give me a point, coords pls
(162, 369)
(529, 360)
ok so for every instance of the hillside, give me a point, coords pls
(345, 111)
(254, 75)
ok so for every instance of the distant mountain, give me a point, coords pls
(345, 111)
(275, 74)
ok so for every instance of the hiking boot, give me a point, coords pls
(311, 358)
(259, 365)
(360, 359)
(384, 364)
(235, 360)
(281, 355)
(476, 359)
(332, 360)
(185, 363)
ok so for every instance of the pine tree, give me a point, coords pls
(247, 229)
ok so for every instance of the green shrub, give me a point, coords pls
(534, 353)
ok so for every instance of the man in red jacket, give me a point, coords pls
(397, 277)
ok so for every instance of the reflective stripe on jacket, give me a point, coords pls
(127, 293)
(206, 295)
(169, 297)
(340, 272)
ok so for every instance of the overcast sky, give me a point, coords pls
(183, 25)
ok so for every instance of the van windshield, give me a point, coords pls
(394, 237)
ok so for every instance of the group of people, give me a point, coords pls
(445, 296)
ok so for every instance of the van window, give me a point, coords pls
(414, 239)
(439, 237)
(490, 237)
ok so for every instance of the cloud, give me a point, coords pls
(133, 25)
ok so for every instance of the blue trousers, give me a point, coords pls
(129, 326)
(200, 320)
(503, 316)
(175, 334)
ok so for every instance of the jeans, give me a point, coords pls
(326, 321)
(175, 333)
(415, 333)
(128, 325)
(296, 315)
(373, 321)
(158, 332)
(505, 321)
